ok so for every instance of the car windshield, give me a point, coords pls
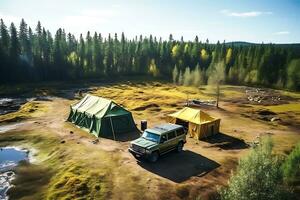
(151, 136)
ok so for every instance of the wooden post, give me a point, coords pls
(187, 100)
(112, 128)
(218, 94)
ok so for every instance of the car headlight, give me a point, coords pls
(142, 150)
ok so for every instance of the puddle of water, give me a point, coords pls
(9, 158)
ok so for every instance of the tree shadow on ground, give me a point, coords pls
(179, 167)
(225, 142)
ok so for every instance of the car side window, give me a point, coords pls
(163, 138)
(171, 135)
(180, 131)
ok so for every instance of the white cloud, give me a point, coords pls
(245, 14)
(116, 5)
(88, 19)
(282, 33)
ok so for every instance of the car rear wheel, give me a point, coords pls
(179, 147)
(153, 157)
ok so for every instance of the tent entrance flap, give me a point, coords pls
(183, 123)
(102, 117)
(112, 128)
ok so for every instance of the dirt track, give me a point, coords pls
(198, 170)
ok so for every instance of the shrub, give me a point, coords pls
(258, 176)
(291, 166)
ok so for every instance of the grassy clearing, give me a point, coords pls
(67, 170)
(78, 169)
(61, 172)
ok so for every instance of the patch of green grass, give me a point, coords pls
(291, 94)
(29, 109)
(30, 182)
(295, 107)
(78, 182)
(59, 172)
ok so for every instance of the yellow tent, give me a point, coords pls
(199, 124)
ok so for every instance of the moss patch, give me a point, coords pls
(29, 109)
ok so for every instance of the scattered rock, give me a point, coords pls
(199, 102)
(62, 142)
(10, 174)
(141, 108)
(273, 119)
(266, 112)
(95, 141)
(97, 187)
(71, 132)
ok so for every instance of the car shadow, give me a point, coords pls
(179, 167)
(226, 142)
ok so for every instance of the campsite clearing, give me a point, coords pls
(71, 163)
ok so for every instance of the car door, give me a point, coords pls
(180, 134)
(163, 146)
(172, 140)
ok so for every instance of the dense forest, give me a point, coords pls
(28, 55)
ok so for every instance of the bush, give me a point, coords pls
(291, 166)
(258, 176)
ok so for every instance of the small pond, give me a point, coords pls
(9, 158)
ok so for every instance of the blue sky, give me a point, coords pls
(266, 21)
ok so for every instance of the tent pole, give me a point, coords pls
(112, 128)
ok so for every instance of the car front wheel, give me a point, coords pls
(154, 156)
(179, 147)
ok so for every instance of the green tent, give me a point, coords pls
(102, 117)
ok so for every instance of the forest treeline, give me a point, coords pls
(35, 55)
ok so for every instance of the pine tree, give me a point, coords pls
(180, 78)
(23, 37)
(187, 78)
(14, 48)
(216, 78)
(175, 74)
(4, 45)
(197, 76)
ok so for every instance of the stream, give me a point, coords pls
(8, 105)
(9, 159)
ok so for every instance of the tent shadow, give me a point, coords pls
(226, 142)
(179, 167)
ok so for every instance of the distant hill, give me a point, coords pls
(242, 43)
